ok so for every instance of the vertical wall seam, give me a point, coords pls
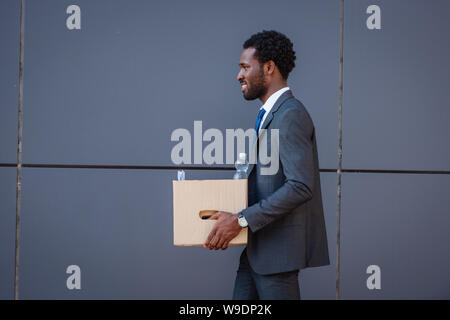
(19, 156)
(339, 168)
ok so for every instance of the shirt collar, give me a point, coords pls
(272, 99)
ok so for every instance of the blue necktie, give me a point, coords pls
(258, 121)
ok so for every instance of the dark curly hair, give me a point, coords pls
(275, 46)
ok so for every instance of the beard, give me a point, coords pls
(257, 88)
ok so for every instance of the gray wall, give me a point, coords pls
(113, 92)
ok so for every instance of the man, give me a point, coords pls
(285, 214)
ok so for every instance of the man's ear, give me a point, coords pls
(269, 67)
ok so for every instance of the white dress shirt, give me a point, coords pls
(269, 104)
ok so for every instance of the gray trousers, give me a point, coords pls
(252, 286)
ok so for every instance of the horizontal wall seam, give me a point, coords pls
(230, 168)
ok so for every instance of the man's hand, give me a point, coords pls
(225, 230)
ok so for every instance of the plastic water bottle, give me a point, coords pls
(181, 175)
(241, 165)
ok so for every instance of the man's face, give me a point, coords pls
(251, 75)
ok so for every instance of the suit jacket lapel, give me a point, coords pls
(276, 106)
(286, 95)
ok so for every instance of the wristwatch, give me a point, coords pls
(242, 221)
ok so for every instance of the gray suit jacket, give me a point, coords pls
(285, 213)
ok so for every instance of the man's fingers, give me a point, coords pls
(214, 241)
(220, 243)
(210, 237)
(225, 245)
(215, 216)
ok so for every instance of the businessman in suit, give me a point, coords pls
(285, 221)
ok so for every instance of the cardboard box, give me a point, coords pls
(193, 199)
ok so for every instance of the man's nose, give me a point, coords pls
(239, 77)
